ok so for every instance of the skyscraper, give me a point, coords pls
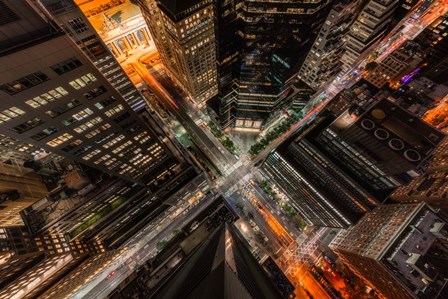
(227, 50)
(399, 250)
(435, 40)
(432, 186)
(396, 66)
(323, 60)
(275, 37)
(368, 28)
(55, 97)
(184, 35)
(20, 187)
(341, 166)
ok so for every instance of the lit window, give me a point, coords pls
(82, 81)
(59, 140)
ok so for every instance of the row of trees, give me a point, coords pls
(223, 138)
(274, 133)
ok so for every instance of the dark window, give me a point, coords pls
(44, 133)
(71, 146)
(66, 66)
(6, 14)
(61, 109)
(105, 103)
(78, 25)
(24, 83)
(95, 92)
(27, 125)
(82, 150)
(122, 117)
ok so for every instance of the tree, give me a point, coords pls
(161, 245)
(371, 66)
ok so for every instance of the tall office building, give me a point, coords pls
(70, 283)
(340, 167)
(275, 38)
(432, 186)
(399, 250)
(222, 267)
(368, 28)
(20, 187)
(56, 98)
(227, 50)
(435, 40)
(323, 61)
(184, 34)
(72, 20)
(396, 67)
(34, 273)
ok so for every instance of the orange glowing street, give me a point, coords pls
(276, 227)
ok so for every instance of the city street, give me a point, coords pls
(215, 152)
(236, 186)
(140, 249)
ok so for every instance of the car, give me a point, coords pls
(110, 275)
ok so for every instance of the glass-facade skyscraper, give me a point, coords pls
(275, 37)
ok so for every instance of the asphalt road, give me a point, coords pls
(140, 249)
(215, 153)
(100, 286)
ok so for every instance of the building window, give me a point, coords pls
(10, 113)
(95, 92)
(62, 109)
(104, 103)
(24, 83)
(66, 66)
(92, 46)
(27, 125)
(77, 117)
(88, 124)
(82, 81)
(98, 131)
(49, 96)
(59, 140)
(71, 146)
(78, 25)
(122, 117)
(44, 133)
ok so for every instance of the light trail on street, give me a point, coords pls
(203, 141)
(415, 22)
(143, 245)
(274, 225)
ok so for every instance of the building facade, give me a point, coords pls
(121, 26)
(435, 40)
(432, 186)
(393, 70)
(227, 58)
(368, 28)
(399, 250)
(56, 98)
(274, 40)
(20, 187)
(342, 165)
(185, 38)
(323, 61)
